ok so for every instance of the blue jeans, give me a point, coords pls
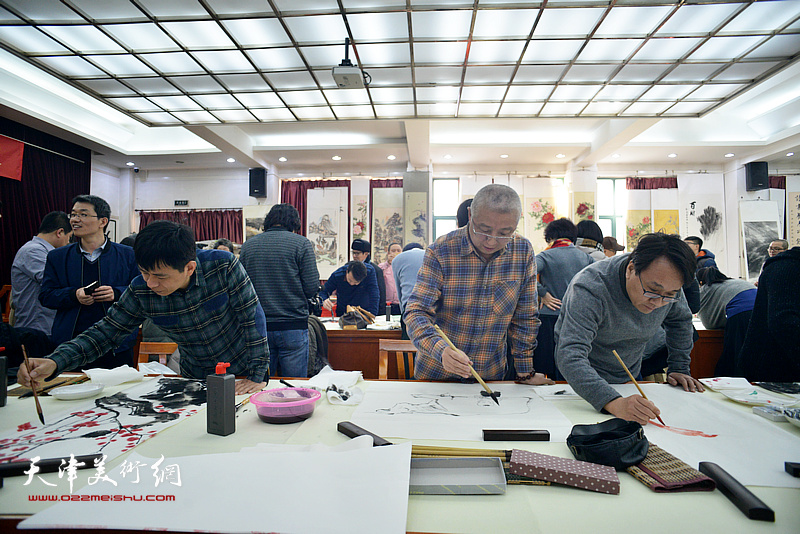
(288, 353)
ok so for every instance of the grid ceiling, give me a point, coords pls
(246, 61)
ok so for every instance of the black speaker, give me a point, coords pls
(756, 176)
(258, 182)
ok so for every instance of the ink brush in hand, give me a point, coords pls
(635, 383)
(491, 393)
(33, 385)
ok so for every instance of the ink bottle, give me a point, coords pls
(221, 403)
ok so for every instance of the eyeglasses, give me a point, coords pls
(501, 238)
(651, 295)
(773, 249)
(81, 216)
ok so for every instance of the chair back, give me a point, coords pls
(404, 353)
(155, 348)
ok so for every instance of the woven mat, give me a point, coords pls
(664, 473)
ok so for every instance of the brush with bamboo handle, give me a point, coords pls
(635, 383)
(491, 393)
(33, 385)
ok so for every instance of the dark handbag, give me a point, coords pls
(616, 442)
(353, 318)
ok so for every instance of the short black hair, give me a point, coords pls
(670, 246)
(283, 215)
(222, 242)
(707, 276)
(462, 215)
(393, 243)
(590, 230)
(412, 246)
(101, 207)
(129, 241)
(357, 269)
(164, 244)
(696, 240)
(561, 228)
(53, 221)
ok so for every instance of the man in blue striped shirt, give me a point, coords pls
(202, 299)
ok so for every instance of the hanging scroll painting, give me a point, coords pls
(665, 210)
(639, 217)
(327, 223)
(793, 210)
(583, 202)
(253, 217)
(416, 215)
(387, 220)
(360, 217)
(701, 202)
(759, 228)
(543, 203)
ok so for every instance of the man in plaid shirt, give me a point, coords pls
(202, 299)
(478, 283)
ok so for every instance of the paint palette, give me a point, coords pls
(759, 397)
(77, 391)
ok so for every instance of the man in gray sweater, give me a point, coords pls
(619, 304)
(283, 269)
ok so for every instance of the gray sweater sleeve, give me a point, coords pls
(678, 326)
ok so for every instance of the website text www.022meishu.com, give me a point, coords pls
(103, 498)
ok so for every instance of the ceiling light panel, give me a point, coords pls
(173, 63)
(292, 80)
(72, 66)
(378, 26)
(316, 113)
(109, 11)
(539, 73)
(85, 39)
(319, 29)
(240, 7)
(195, 117)
(780, 46)
(180, 102)
(383, 54)
(744, 72)
(273, 59)
(568, 109)
(352, 96)
(568, 22)
(589, 73)
(388, 76)
(121, 65)
(43, 11)
(107, 87)
(158, 118)
(639, 73)
(243, 82)
(438, 75)
(525, 93)
(489, 75)
(440, 93)
(223, 61)
(632, 21)
(696, 19)
(135, 104)
(484, 109)
(620, 92)
(604, 108)
(30, 40)
(259, 100)
(763, 17)
(484, 92)
(151, 86)
(198, 34)
(692, 72)
(225, 101)
(392, 95)
(575, 92)
(197, 84)
(433, 53)
(274, 115)
(725, 48)
(715, 91)
(688, 108)
(543, 50)
(646, 108)
(438, 109)
(495, 51)
(504, 23)
(609, 49)
(174, 8)
(392, 111)
(516, 109)
(440, 25)
(666, 49)
(258, 32)
(303, 98)
(668, 92)
(354, 112)
(145, 37)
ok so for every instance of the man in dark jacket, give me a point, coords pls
(705, 258)
(355, 285)
(70, 269)
(361, 251)
(283, 269)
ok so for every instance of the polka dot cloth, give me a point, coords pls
(584, 475)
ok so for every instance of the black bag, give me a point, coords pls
(616, 442)
(353, 317)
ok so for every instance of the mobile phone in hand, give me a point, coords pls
(88, 290)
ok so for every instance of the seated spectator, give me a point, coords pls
(771, 351)
(590, 239)
(556, 266)
(775, 248)
(611, 247)
(224, 244)
(705, 258)
(386, 271)
(361, 250)
(355, 285)
(725, 303)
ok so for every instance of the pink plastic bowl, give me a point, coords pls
(285, 405)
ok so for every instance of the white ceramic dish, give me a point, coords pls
(792, 415)
(758, 397)
(77, 391)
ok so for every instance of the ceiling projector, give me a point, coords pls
(348, 77)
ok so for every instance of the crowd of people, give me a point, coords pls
(562, 314)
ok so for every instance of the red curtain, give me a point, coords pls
(777, 182)
(294, 192)
(50, 180)
(664, 182)
(207, 224)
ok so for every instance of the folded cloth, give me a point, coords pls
(113, 377)
(664, 473)
(327, 377)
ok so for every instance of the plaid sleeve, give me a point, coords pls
(251, 318)
(420, 311)
(525, 322)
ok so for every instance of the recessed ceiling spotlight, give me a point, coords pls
(336, 158)
(281, 158)
(300, 174)
(447, 156)
(504, 156)
(615, 156)
(231, 160)
(729, 155)
(165, 177)
(130, 164)
(391, 157)
(560, 156)
(789, 154)
(673, 155)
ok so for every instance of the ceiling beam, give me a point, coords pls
(230, 140)
(418, 141)
(612, 135)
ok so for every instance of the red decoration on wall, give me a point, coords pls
(11, 158)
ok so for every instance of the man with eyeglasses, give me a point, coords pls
(70, 272)
(619, 304)
(478, 284)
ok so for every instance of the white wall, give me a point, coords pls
(107, 183)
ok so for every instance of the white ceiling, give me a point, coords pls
(455, 84)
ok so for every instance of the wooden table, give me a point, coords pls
(706, 351)
(356, 350)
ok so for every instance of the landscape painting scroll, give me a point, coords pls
(327, 225)
(108, 425)
(387, 220)
(793, 210)
(759, 228)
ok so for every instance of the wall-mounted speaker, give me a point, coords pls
(258, 182)
(756, 176)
